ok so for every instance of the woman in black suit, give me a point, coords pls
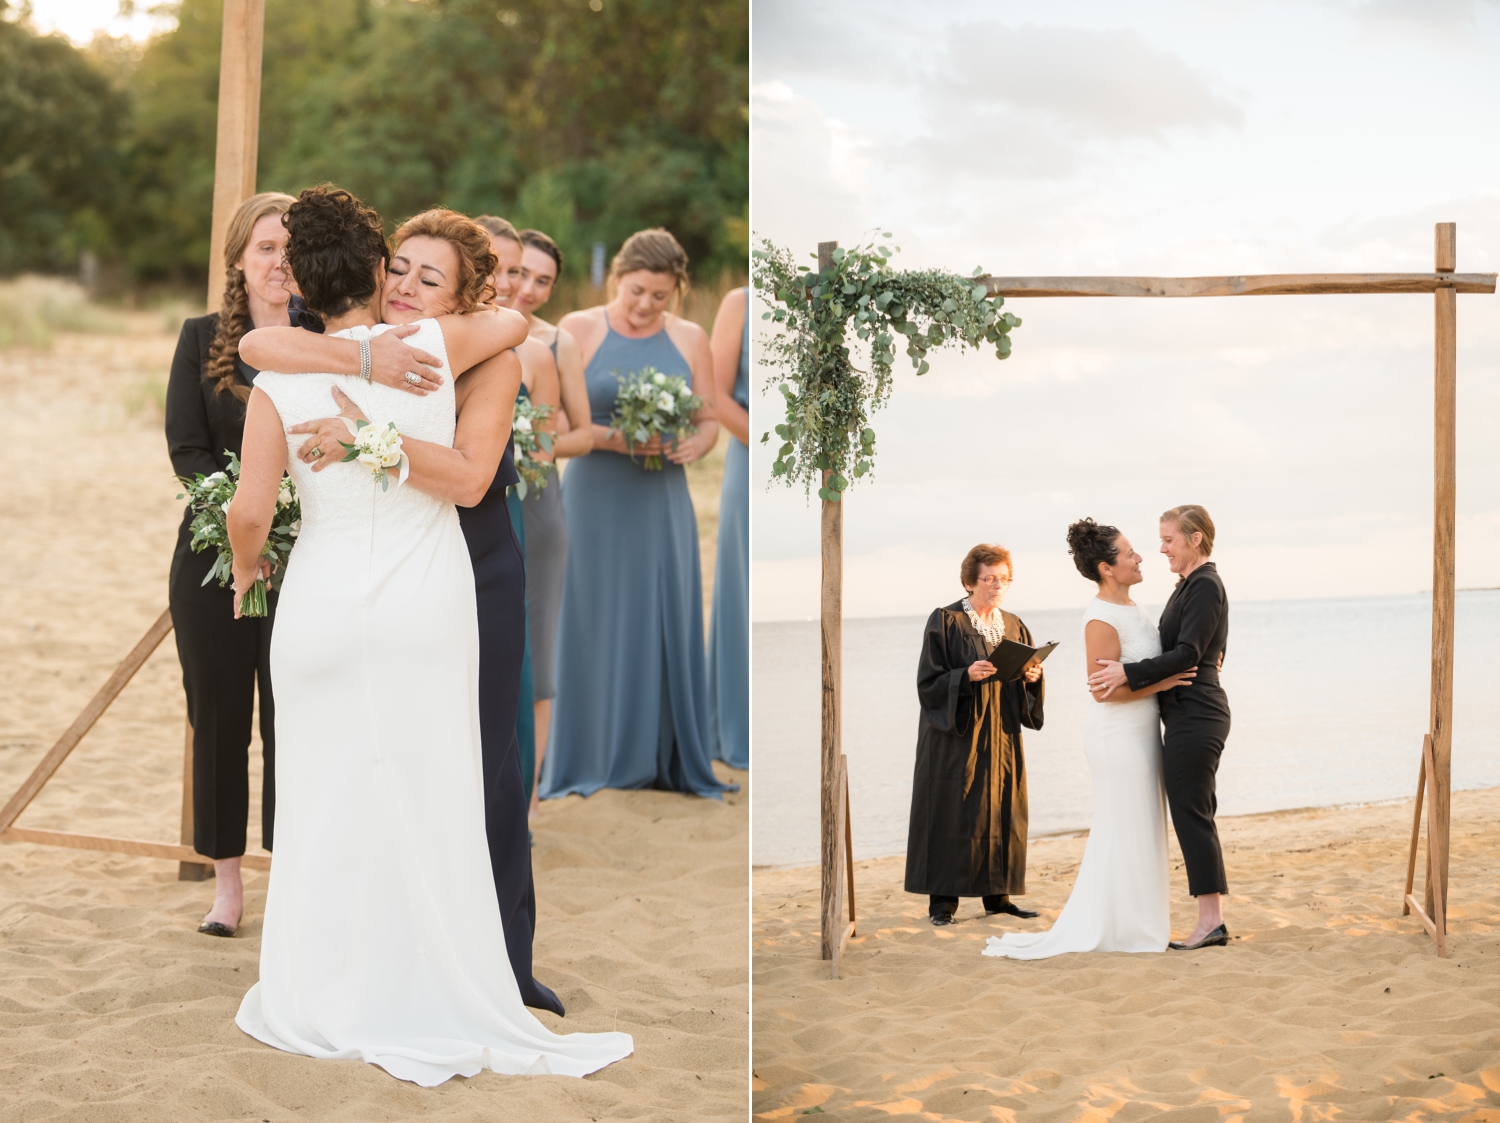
(223, 659)
(1194, 632)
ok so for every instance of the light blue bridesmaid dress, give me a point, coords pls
(729, 633)
(632, 708)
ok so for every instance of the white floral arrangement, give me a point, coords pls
(530, 439)
(209, 496)
(377, 449)
(652, 404)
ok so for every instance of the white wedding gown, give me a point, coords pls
(382, 938)
(1120, 900)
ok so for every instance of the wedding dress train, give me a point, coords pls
(1120, 900)
(382, 938)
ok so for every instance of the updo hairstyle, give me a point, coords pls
(1091, 544)
(986, 553)
(499, 228)
(334, 245)
(655, 251)
(470, 241)
(1192, 519)
(535, 239)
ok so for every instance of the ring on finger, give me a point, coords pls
(414, 378)
(316, 452)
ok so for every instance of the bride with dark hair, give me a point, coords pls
(382, 931)
(1120, 900)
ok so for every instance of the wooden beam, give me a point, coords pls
(105, 844)
(85, 720)
(1444, 529)
(1274, 284)
(239, 126)
(832, 616)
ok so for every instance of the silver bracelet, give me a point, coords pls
(364, 359)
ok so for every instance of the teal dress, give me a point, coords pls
(729, 633)
(632, 708)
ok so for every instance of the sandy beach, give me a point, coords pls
(1326, 1005)
(112, 1008)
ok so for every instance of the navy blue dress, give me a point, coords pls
(632, 707)
(500, 588)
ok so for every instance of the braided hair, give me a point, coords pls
(234, 311)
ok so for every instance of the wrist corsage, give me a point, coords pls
(378, 449)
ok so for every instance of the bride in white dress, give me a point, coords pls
(382, 938)
(1120, 900)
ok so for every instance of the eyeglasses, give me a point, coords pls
(994, 579)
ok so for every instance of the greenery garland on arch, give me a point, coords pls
(828, 399)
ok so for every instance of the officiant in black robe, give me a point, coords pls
(967, 836)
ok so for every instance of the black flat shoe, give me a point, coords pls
(1010, 908)
(1218, 938)
(941, 918)
(214, 928)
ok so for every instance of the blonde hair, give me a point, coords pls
(476, 260)
(499, 227)
(655, 251)
(986, 553)
(1192, 519)
(234, 310)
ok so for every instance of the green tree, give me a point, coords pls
(59, 123)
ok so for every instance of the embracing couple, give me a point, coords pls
(390, 911)
(1153, 738)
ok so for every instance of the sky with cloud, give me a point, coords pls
(1207, 137)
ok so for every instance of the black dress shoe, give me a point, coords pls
(214, 928)
(941, 918)
(1010, 908)
(1218, 938)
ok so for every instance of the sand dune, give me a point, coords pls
(1327, 1005)
(112, 1008)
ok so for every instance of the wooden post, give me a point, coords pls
(1444, 525)
(832, 613)
(239, 126)
(189, 871)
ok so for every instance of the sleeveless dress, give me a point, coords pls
(1120, 901)
(546, 561)
(500, 590)
(382, 940)
(729, 631)
(632, 706)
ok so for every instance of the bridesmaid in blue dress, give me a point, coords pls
(632, 707)
(729, 633)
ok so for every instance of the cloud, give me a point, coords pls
(795, 38)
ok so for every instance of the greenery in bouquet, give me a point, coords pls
(531, 440)
(209, 497)
(653, 404)
(827, 436)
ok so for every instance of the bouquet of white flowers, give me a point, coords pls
(209, 498)
(377, 449)
(653, 404)
(530, 439)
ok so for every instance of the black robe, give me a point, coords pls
(968, 802)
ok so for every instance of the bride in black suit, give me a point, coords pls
(1194, 630)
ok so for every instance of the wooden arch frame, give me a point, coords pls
(234, 181)
(1445, 283)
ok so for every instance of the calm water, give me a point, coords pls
(1329, 700)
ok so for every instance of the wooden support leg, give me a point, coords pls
(189, 871)
(1435, 920)
(843, 860)
(1416, 826)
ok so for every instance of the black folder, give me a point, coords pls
(1011, 658)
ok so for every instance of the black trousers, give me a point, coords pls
(938, 906)
(223, 661)
(500, 590)
(1195, 728)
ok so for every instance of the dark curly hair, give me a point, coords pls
(1091, 543)
(334, 243)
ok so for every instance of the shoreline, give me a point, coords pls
(1327, 1003)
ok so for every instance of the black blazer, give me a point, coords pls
(201, 422)
(1194, 632)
